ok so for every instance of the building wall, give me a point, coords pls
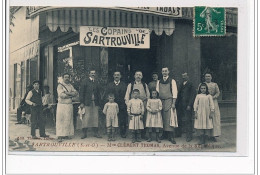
(181, 52)
(23, 47)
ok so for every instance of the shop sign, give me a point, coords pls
(115, 37)
(67, 46)
(171, 11)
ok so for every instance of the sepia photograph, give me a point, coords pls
(122, 79)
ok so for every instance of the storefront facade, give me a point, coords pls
(171, 44)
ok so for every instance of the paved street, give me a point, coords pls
(226, 143)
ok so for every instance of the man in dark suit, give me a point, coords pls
(184, 103)
(90, 100)
(118, 88)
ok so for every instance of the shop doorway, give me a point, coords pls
(127, 61)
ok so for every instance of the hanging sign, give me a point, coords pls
(115, 37)
(171, 11)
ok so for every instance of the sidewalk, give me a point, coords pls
(226, 143)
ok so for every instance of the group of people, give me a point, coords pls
(137, 107)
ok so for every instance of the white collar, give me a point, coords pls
(116, 83)
(165, 78)
(138, 82)
(92, 79)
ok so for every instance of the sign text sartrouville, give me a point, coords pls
(115, 37)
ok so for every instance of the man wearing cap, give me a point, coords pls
(34, 99)
(184, 103)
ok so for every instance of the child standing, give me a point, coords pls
(135, 110)
(111, 110)
(154, 117)
(204, 110)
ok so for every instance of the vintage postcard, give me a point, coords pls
(122, 79)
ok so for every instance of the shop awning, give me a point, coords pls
(27, 52)
(66, 18)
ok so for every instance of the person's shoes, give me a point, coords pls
(133, 140)
(164, 136)
(188, 139)
(143, 136)
(113, 139)
(45, 136)
(158, 138)
(213, 139)
(200, 140)
(84, 136)
(123, 135)
(35, 137)
(172, 141)
(203, 139)
(169, 137)
(98, 136)
(18, 123)
(138, 139)
(68, 137)
(150, 137)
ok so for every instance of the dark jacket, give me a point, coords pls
(186, 95)
(36, 97)
(119, 92)
(87, 88)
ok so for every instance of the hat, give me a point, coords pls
(35, 81)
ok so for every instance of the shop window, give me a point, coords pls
(27, 72)
(219, 56)
(76, 60)
(17, 84)
(44, 63)
(23, 78)
(33, 69)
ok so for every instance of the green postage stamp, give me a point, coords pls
(209, 21)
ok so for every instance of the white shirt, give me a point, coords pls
(142, 91)
(92, 79)
(117, 83)
(184, 82)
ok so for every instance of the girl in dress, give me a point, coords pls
(204, 111)
(154, 117)
(135, 110)
(111, 110)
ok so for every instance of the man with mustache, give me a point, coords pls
(167, 89)
(144, 93)
(184, 103)
(90, 99)
(118, 88)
